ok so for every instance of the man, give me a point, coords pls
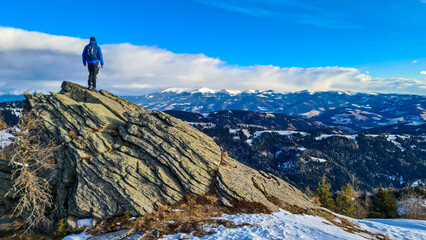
(92, 55)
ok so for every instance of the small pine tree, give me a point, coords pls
(345, 203)
(62, 230)
(390, 204)
(384, 204)
(324, 195)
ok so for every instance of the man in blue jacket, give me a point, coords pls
(92, 55)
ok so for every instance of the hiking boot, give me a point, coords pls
(94, 89)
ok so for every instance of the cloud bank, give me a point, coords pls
(34, 61)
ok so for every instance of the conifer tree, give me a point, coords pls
(390, 204)
(384, 204)
(345, 203)
(324, 195)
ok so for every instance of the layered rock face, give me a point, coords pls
(5, 181)
(116, 156)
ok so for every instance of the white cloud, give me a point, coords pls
(415, 61)
(423, 72)
(33, 61)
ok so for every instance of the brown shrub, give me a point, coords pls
(31, 157)
(98, 129)
(87, 157)
(240, 206)
(83, 145)
(189, 215)
(72, 134)
(3, 124)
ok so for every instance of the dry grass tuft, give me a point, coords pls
(223, 161)
(87, 157)
(98, 129)
(295, 209)
(240, 206)
(110, 150)
(72, 134)
(82, 144)
(191, 215)
(345, 224)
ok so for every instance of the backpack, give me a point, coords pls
(92, 52)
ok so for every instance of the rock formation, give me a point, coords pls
(5, 181)
(116, 156)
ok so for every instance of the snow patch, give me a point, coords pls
(204, 90)
(312, 113)
(397, 228)
(392, 138)
(6, 138)
(315, 159)
(280, 132)
(175, 90)
(81, 236)
(87, 222)
(324, 136)
(232, 92)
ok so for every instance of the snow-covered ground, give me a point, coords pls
(397, 228)
(285, 225)
(5, 138)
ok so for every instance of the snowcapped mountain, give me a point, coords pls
(354, 110)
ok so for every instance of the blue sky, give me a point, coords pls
(380, 39)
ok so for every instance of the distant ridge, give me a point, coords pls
(363, 110)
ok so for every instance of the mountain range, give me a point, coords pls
(351, 111)
(302, 151)
(371, 139)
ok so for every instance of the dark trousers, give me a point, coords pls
(93, 71)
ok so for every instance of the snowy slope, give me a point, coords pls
(397, 228)
(285, 225)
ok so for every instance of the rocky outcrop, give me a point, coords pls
(116, 156)
(5, 181)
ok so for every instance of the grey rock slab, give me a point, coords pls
(116, 156)
(119, 235)
(135, 236)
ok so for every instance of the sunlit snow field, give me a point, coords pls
(285, 225)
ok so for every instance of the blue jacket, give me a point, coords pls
(100, 58)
